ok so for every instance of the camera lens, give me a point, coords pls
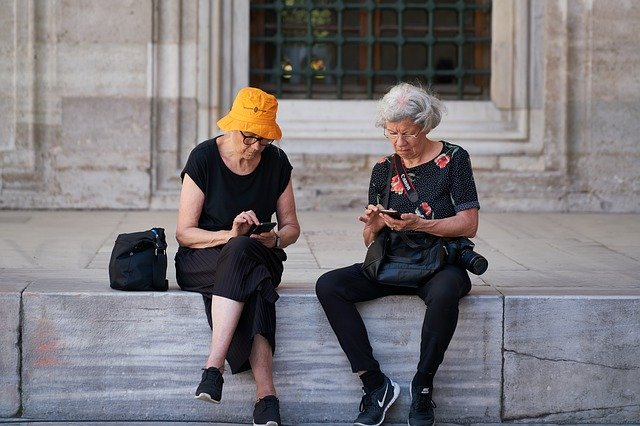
(474, 262)
(479, 265)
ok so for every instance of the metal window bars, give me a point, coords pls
(324, 49)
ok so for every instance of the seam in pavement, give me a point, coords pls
(19, 348)
(106, 238)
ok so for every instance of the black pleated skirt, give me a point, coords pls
(243, 270)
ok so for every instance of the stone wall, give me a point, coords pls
(604, 106)
(73, 91)
(100, 104)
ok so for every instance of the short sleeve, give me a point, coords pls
(463, 187)
(196, 168)
(285, 170)
(378, 181)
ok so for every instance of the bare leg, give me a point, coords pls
(261, 360)
(225, 314)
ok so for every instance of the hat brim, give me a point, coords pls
(267, 131)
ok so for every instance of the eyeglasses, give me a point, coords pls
(394, 136)
(250, 140)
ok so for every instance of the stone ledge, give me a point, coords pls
(137, 356)
(10, 354)
(583, 351)
(92, 353)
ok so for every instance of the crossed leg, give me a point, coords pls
(225, 314)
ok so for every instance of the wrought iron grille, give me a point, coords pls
(356, 49)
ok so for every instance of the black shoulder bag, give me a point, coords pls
(403, 258)
(139, 261)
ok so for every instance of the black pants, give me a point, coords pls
(340, 290)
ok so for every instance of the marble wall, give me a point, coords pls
(100, 104)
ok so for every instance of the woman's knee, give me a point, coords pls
(444, 288)
(238, 244)
(324, 287)
(327, 285)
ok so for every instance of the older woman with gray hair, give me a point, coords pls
(440, 199)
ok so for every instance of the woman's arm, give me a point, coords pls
(463, 224)
(372, 223)
(288, 225)
(187, 232)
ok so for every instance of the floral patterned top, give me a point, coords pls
(445, 185)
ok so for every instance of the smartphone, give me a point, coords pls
(261, 227)
(394, 214)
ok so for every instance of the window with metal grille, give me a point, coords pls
(324, 49)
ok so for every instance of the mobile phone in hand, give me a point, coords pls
(394, 214)
(261, 227)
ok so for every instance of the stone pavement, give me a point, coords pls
(537, 253)
(563, 290)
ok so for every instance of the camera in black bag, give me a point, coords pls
(139, 261)
(460, 252)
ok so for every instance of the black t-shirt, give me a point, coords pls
(445, 185)
(226, 194)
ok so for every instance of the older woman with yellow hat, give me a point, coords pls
(230, 184)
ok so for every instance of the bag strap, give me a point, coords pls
(401, 171)
(409, 189)
(385, 200)
(159, 261)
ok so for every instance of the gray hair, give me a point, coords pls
(406, 100)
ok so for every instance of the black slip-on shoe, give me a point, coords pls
(267, 412)
(210, 388)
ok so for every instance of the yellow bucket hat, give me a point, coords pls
(253, 111)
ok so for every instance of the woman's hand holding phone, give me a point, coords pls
(264, 233)
(261, 228)
(392, 213)
(245, 223)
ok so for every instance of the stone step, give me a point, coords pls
(79, 351)
(89, 353)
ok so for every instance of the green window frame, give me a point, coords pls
(324, 49)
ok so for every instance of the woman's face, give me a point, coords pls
(408, 139)
(247, 144)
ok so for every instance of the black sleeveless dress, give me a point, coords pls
(243, 269)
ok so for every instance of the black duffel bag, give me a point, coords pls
(139, 261)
